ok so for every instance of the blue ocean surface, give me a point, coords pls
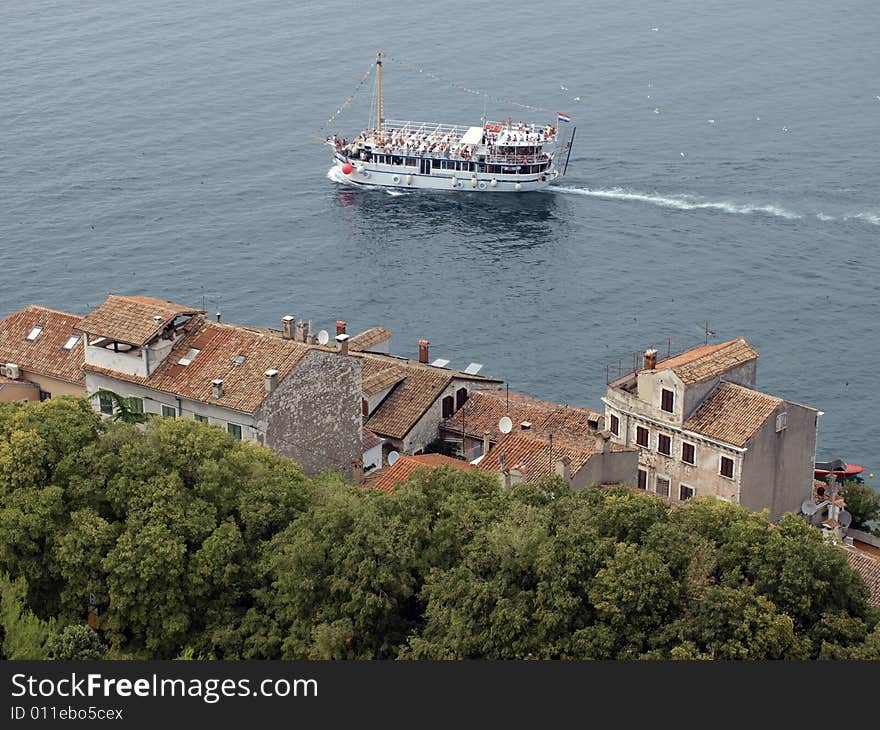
(726, 171)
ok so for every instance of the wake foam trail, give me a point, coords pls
(680, 202)
(335, 174)
(872, 218)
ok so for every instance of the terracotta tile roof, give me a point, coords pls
(369, 338)
(386, 478)
(709, 361)
(378, 375)
(219, 346)
(733, 414)
(369, 439)
(869, 568)
(532, 455)
(45, 355)
(407, 403)
(484, 408)
(131, 319)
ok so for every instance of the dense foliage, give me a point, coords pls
(178, 540)
(863, 503)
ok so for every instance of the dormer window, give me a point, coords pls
(34, 333)
(667, 401)
(72, 342)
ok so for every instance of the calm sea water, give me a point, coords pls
(166, 148)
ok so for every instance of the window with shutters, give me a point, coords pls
(727, 467)
(685, 492)
(642, 436)
(643, 479)
(664, 444)
(688, 453)
(615, 425)
(667, 401)
(448, 406)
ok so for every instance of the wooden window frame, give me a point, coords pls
(721, 461)
(694, 451)
(660, 437)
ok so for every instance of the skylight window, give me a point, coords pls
(239, 359)
(71, 342)
(189, 357)
(34, 333)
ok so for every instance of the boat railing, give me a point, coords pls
(400, 125)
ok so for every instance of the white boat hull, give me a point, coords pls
(366, 174)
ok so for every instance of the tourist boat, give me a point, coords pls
(838, 467)
(504, 156)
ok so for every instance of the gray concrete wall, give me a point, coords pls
(778, 466)
(314, 414)
(609, 468)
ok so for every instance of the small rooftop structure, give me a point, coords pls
(134, 320)
(237, 356)
(708, 361)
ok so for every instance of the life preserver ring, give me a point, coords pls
(395, 179)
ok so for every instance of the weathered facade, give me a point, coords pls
(300, 400)
(406, 401)
(701, 428)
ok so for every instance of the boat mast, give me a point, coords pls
(379, 90)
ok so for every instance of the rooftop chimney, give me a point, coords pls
(287, 325)
(342, 344)
(219, 316)
(307, 326)
(602, 441)
(525, 425)
(423, 351)
(340, 327)
(217, 388)
(486, 443)
(563, 468)
(650, 360)
(270, 380)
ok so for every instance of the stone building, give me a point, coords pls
(41, 355)
(301, 400)
(405, 401)
(702, 428)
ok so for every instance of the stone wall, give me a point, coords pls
(314, 414)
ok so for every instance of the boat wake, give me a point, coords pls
(696, 202)
(335, 174)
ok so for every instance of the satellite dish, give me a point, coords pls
(505, 425)
(809, 507)
(845, 518)
(323, 337)
(392, 458)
